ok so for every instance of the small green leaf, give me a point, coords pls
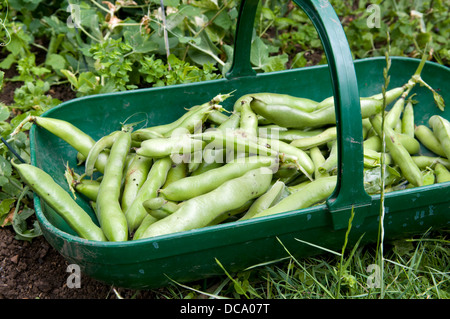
(55, 61)
(4, 112)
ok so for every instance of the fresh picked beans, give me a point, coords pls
(273, 153)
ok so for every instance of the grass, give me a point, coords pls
(413, 268)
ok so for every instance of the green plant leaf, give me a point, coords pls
(55, 61)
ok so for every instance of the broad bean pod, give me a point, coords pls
(399, 153)
(266, 200)
(163, 147)
(426, 136)
(60, 201)
(87, 187)
(320, 139)
(135, 176)
(441, 129)
(155, 180)
(71, 134)
(299, 103)
(442, 173)
(192, 186)
(103, 143)
(111, 217)
(408, 120)
(311, 193)
(201, 210)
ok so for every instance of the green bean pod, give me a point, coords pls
(373, 143)
(75, 137)
(231, 123)
(423, 161)
(300, 103)
(426, 136)
(292, 118)
(408, 120)
(233, 141)
(318, 159)
(155, 180)
(442, 173)
(312, 193)
(87, 187)
(331, 161)
(322, 138)
(60, 201)
(399, 153)
(135, 177)
(266, 200)
(201, 210)
(163, 147)
(159, 130)
(146, 222)
(103, 143)
(393, 116)
(249, 121)
(441, 129)
(193, 186)
(217, 117)
(178, 170)
(111, 217)
(290, 153)
(194, 123)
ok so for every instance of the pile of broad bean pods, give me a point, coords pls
(272, 153)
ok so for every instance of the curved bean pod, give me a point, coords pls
(311, 193)
(75, 137)
(399, 153)
(423, 161)
(249, 121)
(87, 187)
(322, 138)
(292, 118)
(290, 153)
(155, 179)
(193, 186)
(62, 203)
(441, 129)
(266, 200)
(426, 136)
(135, 177)
(99, 146)
(299, 103)
(408, 120)
(442, 173)
(200, 211)
(163, 147)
